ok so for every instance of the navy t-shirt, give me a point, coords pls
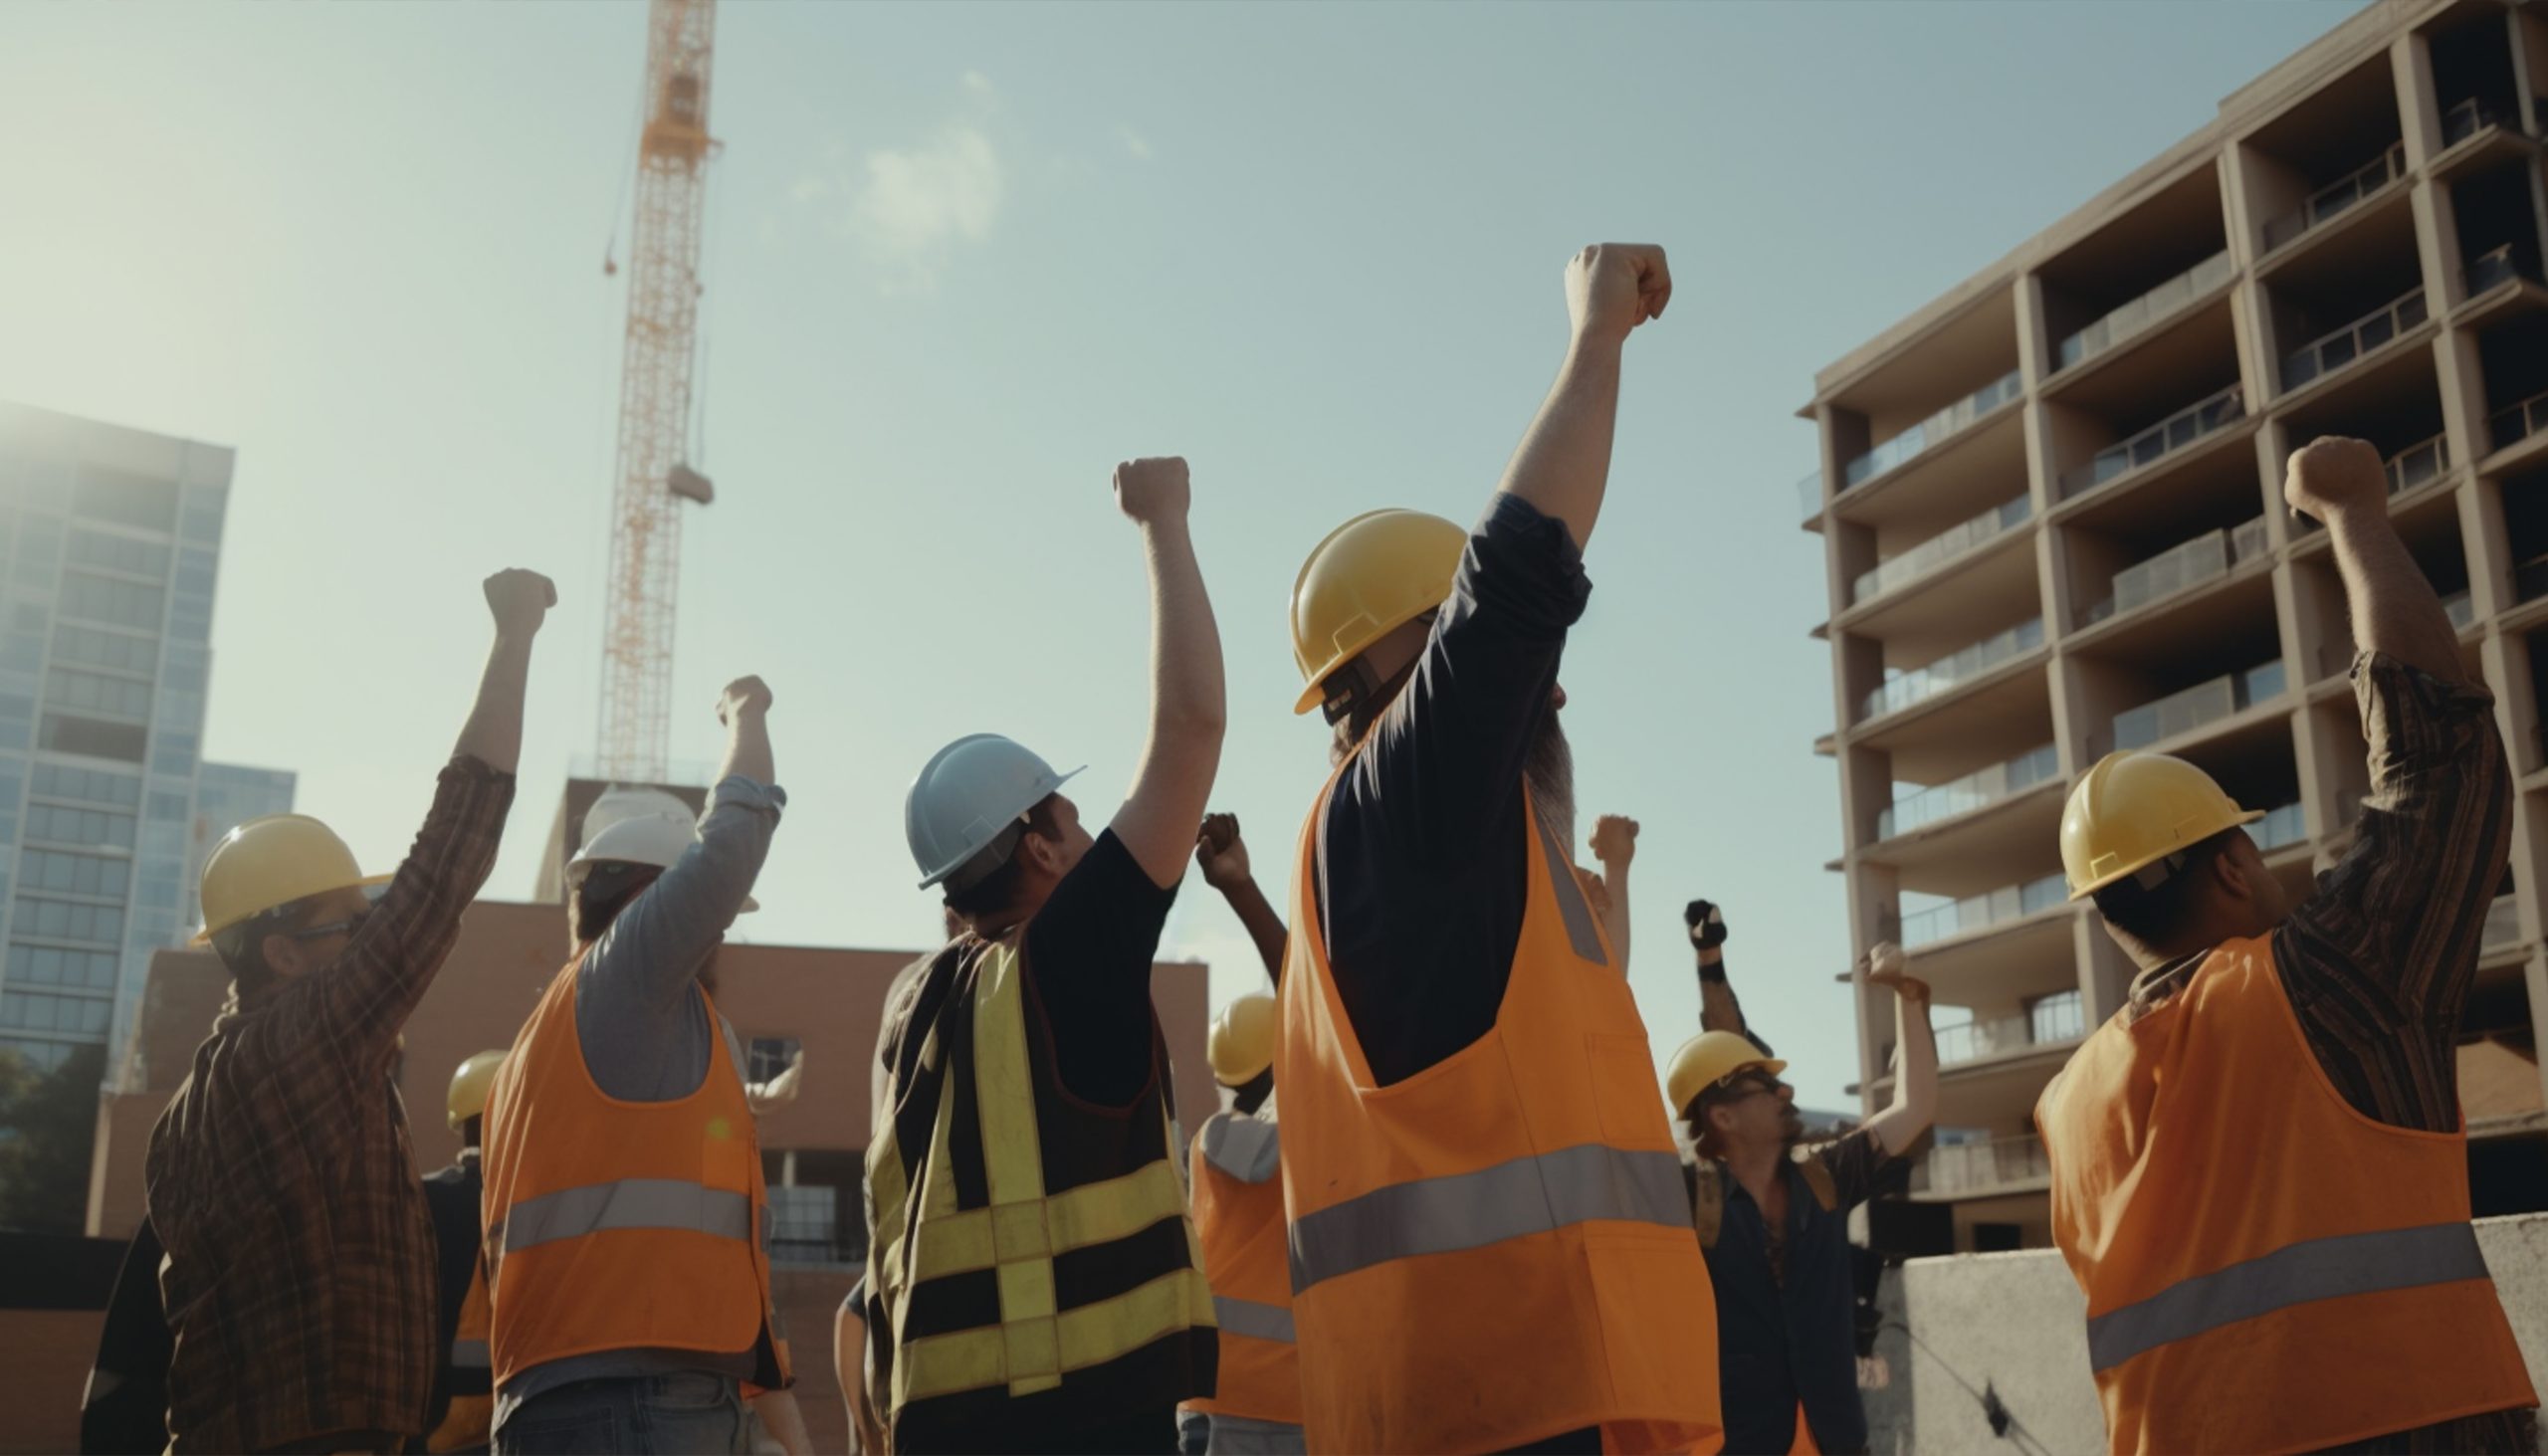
(1424, 851)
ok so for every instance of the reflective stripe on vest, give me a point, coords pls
(2318, 1269)
(469, 1354)
(1526, 1195)
(1035, 1341)
(628, 1203)
(1583, 931)
(1248, 1148)
(1253, 1320)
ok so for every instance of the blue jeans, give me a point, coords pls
(678, 1414)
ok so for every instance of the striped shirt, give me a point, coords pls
(299, 1274)
(2378, 962)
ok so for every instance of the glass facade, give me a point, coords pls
(109, 544)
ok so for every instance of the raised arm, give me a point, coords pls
(1563, 465)
(2396, 611)
(1719, 1010)
(1915, 1078)
(492, 736)
(1614, 844)
(1222, 856)
(1187, 705)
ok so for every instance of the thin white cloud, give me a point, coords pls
(1134, 142)
(910, 207)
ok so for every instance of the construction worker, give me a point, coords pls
(1773, 1214)
(300, 1270)
(849, 1366)
(1238, 1214)
(624, 1198)
(463, 1398)
(1490, 1245)
(1026, 1127)
(2259, 1167)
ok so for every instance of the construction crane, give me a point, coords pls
(654, 474)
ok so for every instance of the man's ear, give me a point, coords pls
(2229, 878)
(1040, 853)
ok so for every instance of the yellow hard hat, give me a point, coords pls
(1372, 576)
(271, 862)
(2135, 809)
(1708, 1059)
(468, 1097)
(1243, 1041)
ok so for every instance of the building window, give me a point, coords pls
(769, 1056)
(73, 873)
(76, 1015)
(53, 965)
(111, 601)
(127, 500)
(120, 650)
(816, 1206)
(86, 691)
(41, 1057)
(61, 920)
(88, 786)
(93, 737)
(117, 553)
(2057, 1017)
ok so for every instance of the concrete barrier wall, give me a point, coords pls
(2016, 1325)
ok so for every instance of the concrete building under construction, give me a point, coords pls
(2050, 508)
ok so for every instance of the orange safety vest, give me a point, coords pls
(1497, 1249)
(2266, 1269)
(1238, 1214)
(620, 1225)
(468, 1422)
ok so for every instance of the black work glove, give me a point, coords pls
(1706, 923)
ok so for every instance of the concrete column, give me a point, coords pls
(2418, 118)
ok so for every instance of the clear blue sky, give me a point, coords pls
(963, 260)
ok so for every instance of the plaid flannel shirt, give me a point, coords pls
(298, 1280)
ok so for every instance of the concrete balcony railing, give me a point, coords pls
(1942, 547)
(2511, 426)
(1808, 495)
(2338, 196)
(2330, 352)
(2468, 119)
(2051, 1024)
(2153, 307)
(2424, 461)
(1965, 1168)
(1979, 912)
(2280, 829)
(1973, 791)
(2503, 923)
(2204, 702)
(1919, 684)
(2161, 440)
(1946, 423)
(2490, 271)
(2210, 555)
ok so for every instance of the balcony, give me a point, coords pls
(1937, 428)
(2338, 196)
(1973, 791)
(2333, 351)
(2506, 428)
(2489, 271)
(1979, 912)
(2147, 312)
(1968, 1169)
(2468, 119)
(2204, 703)
(1919, 684)
(2161, 440)
(2280, 829)
(1808, 495)
(2056, 1021)
(2210, 555)
(2503, 923)
(1942, 547)
(2418, 465)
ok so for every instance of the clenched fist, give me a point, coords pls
(2332, 477)
(519, 601)
(1154, 489)
(1611, 288)
(1614, 839)
(1221, 852)
(742, 696)
(1882, 966)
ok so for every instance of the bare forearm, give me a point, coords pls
(1264, 926)
(1615, 918)
(1563, 465)
(778, 1411)
(747, 750)
(493, 734)
(1915, 1082)
(1187, 710)
(2395, 608)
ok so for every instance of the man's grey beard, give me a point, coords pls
(1550, 770)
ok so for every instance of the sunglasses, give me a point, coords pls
(345, 927)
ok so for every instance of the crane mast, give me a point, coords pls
(653, 472)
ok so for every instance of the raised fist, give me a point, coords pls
(1221, 852)
(1153, 490)
(1614, 839)
(742, 696)
(1882, 966)
(2331, 477)
(1611, 288)
(519, 599)
(1706, 923)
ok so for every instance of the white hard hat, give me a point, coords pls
(636, 827)
(966, 803)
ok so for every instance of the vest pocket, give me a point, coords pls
(1656, 1285)
(1624, 1091)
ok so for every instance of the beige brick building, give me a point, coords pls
(2053, 528)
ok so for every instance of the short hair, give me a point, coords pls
(608, 889)
(2163, 913)
(997, 890)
